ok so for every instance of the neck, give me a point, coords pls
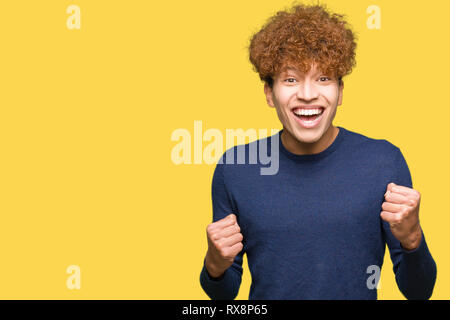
(298, 147)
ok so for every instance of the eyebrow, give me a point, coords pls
(290, 69)
(287, 69)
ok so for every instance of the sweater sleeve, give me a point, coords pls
(415, 270)
(227, 286)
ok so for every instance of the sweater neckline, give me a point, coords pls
(315, 156)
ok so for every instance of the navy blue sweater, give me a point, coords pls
(313, 229)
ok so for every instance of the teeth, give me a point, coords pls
(307, 112)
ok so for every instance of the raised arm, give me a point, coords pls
(414, 267)
(221, 274)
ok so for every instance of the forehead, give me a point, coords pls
(291, 69)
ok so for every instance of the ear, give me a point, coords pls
(268, 93)
(341, 92)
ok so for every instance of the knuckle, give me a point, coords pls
(214, 236)
(219, 246)
(224, 252)
(212, 227)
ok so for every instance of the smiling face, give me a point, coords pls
(306, 106)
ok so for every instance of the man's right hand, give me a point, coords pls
(224, 244)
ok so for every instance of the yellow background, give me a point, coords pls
(86, 176)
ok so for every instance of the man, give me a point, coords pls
(317, 227)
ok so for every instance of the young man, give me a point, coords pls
(317, 228)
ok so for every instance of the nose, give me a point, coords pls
(307, 91)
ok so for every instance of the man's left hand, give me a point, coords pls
(401, 210)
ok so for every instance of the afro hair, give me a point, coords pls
(302, 36)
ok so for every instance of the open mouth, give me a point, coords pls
(308, 117)
(308, 114)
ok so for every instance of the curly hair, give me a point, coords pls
(300, 37)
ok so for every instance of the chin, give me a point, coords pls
(308, 137)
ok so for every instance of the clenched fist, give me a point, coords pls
(401, 210)
(224, 244)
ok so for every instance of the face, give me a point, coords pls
(297, 97)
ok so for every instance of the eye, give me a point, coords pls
(326, 78)
(289, 79)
